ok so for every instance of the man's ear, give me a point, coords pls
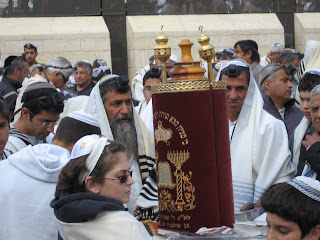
(315, 233)
(92, 186)
(249, 54)
(25, 113)
(267, 85)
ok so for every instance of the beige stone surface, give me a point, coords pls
(75, 38)
(306, 26)
(224, 30)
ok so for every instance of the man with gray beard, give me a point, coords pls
(111, 104)
(125, 132)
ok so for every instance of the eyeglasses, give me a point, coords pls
(123, 178)
(276, 53)
(46, 123)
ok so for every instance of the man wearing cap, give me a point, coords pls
(14, 74)
(110, 102)
(29, 179)
(57, 72)
(276, 85)
(31, 52)
(309, 162)
(226, 54)
(259, 153)
(273, 55)
(82, 76)
(100, 69)
(137, 81)
(288, 57)
(248, 51)
(41, 108)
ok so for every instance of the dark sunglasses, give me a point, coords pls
(123, 178)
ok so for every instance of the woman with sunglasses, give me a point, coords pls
(91, 191)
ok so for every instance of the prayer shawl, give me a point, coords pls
(315, 59)
(295, 141)
(96, 217)
(264, 61)
(93, 104)
(18, 140)
(260, 156)
(28, 183)
(137, 84)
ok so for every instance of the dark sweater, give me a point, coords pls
(292, 116)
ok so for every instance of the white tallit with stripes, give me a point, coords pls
(260, 156)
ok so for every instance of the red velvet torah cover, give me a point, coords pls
(193, 160)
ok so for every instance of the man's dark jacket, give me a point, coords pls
(9, 91)
(292, 116)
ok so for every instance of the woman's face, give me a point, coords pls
(112, 187)
(4, 133)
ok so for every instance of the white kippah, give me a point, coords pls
(93, 145)
(307, 186)
(84, 117)
(174, 57)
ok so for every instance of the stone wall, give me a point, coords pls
(225, 30)
(306, 28)
(75, 38)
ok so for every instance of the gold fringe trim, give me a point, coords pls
(187, 86)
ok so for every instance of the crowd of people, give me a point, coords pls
(78, 154)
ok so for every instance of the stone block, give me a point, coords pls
(62, 45)
(92, 44)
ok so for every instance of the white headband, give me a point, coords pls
(308, 186)
(93, 144)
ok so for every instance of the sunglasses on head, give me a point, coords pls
(123, 178)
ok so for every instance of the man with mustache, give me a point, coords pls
(276, 85)
(258, 144)
(309, 162)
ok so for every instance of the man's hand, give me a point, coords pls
(310, 140)
(250, 206)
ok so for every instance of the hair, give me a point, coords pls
(155, 72)
(70, 130)
(68, 182)
(4, 110)
(315, 91)
(277, 47)
(109, 84)
(247, 45)
(292, 205)
(30, 46)
(265, 71)
(308, 82)
(18, 63)
(98, 62)
(38, 99)
(84, 64)
(62, 65)
(36, 66)
(289, 56)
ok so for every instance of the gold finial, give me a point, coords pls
(201, 28)
(206, 52)
(162, 52)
